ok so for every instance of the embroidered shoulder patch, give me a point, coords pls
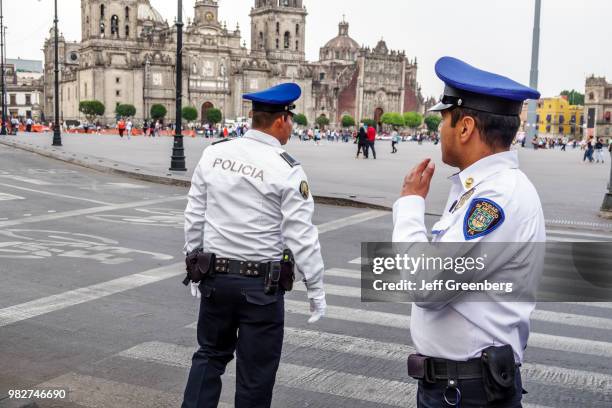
(227, 139)
(464, 199)
(290, 160)
(483, 217)
(304, 190)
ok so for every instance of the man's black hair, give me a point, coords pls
(497, 131)
(263, 120)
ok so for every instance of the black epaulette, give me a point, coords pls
(290, 160)
(222, 141)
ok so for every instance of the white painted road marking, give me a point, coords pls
(34, 308)
(88, 211)
(10, 197)
(54, 194)
(26, 180)
(371, 389)
(569, 319)
(352, 220)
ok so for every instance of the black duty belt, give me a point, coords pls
(224, 266)
(431, 369)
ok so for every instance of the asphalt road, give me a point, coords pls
(91, 301)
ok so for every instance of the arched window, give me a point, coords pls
(127, 13)
(127, 30)
(297, 45)
(115, 25)
(277, 28)
(261, 40)
(297, 29)
(277, 44)
(102, 12)
(591, 96)
(102, 28)
(287, 39)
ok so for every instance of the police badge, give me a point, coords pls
(304, 190)
(483, 217)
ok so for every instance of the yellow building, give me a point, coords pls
(557, 118)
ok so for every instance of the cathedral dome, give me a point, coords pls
(147, 12)
(342, 47)
(343, 40)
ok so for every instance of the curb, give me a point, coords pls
(6, 402)
(168, 180)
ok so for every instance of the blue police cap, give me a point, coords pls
(473, 88)
(279, 98)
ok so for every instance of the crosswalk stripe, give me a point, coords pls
(318, 380)
(34, 308)
(352, 220)
(402, 322)
(541, 315)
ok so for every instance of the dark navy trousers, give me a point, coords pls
(472, 395)
(236, 317)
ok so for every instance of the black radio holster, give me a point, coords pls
(199, 265)
(287, 271)
(498, 373)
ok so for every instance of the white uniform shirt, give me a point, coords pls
(461, 329)
(249, 203)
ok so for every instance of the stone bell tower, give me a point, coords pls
(278, 29)
(104, 19)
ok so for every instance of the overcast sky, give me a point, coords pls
(491, 34)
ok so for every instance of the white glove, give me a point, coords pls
(318, 306)
(195, 290)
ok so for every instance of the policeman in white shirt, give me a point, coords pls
(250, 205)
(490, 200)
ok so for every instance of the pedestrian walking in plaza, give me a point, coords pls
(121, 127)
(362, 143)
(395, 139)
(588, 152)
(145, 127)
(599, 148)
(469, 353)
(29, 123)
(157, 129)
(317, 136)
(14, 125)
(128, 127)
(246, 241)
(371, 141)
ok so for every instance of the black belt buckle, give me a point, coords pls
(421, 368)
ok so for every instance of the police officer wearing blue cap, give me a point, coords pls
(469, 354)
(248, 224)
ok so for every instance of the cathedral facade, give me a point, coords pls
(127, 55)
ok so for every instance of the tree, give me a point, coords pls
(348, 121)
(368, 122)
(392, 119)
(433, 122)
(125, 110)
(300, 119)
(574, 97)
(413, 119)
(322, 121)
(158, 111)
(190, 113)
(91, 109)
(214, 116)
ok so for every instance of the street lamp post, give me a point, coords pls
(2, 98)
(178, 152)
(57, 136)
(533, 78)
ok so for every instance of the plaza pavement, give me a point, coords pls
(571, 191)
